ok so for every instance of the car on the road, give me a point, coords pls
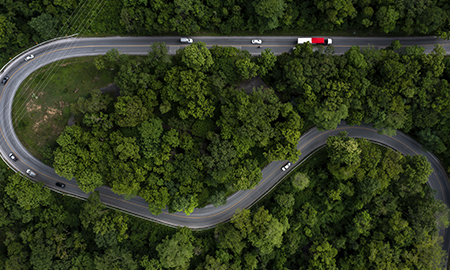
(256, 41)
(5, 79)
(29, 57)
(12, 156)
(186, 40)
(61, 185)
(31, 173)
(286, 166)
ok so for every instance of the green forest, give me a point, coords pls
(353, 213)
(179, 134)
(183, 134)
(26, 22)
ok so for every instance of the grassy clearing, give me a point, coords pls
(41, 107)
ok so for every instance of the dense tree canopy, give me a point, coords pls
(24, 22)
(383, 215)
(206, 140)
(183, 133)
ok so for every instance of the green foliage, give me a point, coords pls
(201, 127)
(267, 232)
(125, 148)
(266, 62)
(360, 201)
(151, 132)
(387, 17)
(369, 227)
(6, 30)
(322, 256)
(196, 56)
(130, 111)
(73, 159)
(432, 142)
(191, 90)
(28, 195)
(36, 21)
(94, 214)
(344, 150)
(300, 181)
(177, 250)
(115, 258)
(45, 25)
(268, 14)
(95, 102)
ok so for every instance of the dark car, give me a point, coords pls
(5, 79)
(61, 185)
(12, 156)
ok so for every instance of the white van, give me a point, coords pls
(186, 40)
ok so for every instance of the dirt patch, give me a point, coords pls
(49, 114)
(37, 124)
(250, 85)
(111, 88)
(53, 111)
(31, 106)
(63, 104)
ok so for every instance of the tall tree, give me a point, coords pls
(28, 195)
(177, 250)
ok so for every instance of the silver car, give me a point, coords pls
(31, 173)
(286, 166)
(29, 57)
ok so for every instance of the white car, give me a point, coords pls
(31, 173)
(12, 156)
(29, 57)
(186, 40)
(286, 166)
(256, 41)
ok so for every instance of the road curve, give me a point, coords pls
(209, 216)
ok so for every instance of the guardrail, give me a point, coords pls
(35, 46)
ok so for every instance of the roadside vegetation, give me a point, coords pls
(353, 205)
(24, 23)
(182, 134)
(41, 107)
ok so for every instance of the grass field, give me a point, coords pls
(41, 107)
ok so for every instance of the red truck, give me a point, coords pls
(315, 41)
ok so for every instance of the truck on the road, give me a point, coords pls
(315, 41)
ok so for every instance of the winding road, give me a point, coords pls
(209, 216)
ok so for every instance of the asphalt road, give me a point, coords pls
(209, 216)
